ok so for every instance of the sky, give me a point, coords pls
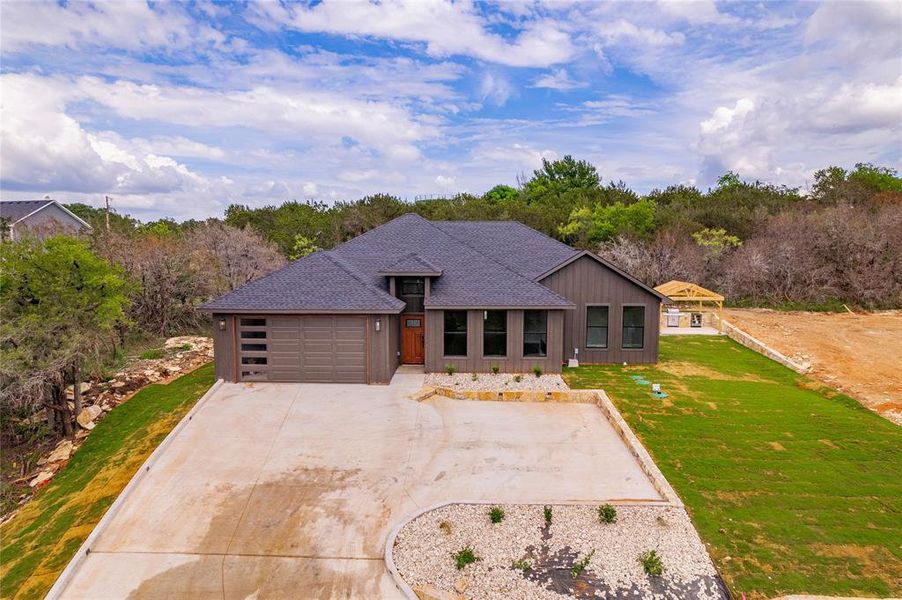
(181, 109)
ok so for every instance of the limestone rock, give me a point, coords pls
(42, 478)
(87, 415)
(62, 452)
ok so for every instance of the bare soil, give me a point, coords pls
(857, 354)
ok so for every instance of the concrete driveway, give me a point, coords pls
(290, 490)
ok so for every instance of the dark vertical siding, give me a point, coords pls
(474, 362)
(382, 355)
(587, 282)
(224, 348)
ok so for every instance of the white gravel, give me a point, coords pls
(424, 553)
(489, 382)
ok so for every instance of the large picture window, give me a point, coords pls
(634, 327)
(455, 333)
(535, 333)
(596, 327)
(494, 333)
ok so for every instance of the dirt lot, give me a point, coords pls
(856, 354)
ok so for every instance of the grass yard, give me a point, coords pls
(794, 487)
(38, 543)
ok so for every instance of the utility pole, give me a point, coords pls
(107, 198)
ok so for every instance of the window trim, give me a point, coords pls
(466, 333)
(607, 340)
(525, 355)
(506, 333)
(623, 325)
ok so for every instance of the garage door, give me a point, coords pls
(309, 349)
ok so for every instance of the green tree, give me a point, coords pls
(61, 303)
(588, 227)
(501, 193)
(562, 175)
(302, 247)
(715, 241)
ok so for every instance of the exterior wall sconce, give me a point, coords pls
(222, 324)
(378, 324)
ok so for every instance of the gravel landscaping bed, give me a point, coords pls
(424, 553)
(488, 382)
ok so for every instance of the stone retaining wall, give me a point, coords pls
(760, 347)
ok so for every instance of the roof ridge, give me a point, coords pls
(495, 262)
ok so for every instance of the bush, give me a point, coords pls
(465, 556)
(548, 514)
(474, 377)
(580, 565)
(651, 563)
(538, 371)
(518, 378)
(522, 565)
(607, 513)
(449, 369)
(495, 369)
(496, 514)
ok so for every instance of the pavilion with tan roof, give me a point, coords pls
(693, 306)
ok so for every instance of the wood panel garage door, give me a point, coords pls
(309, 349)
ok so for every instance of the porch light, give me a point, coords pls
(378, 324)
(222, 324)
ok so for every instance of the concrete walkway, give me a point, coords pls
(289, 490)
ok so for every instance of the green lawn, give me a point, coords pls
(794, 487)
(39, 541)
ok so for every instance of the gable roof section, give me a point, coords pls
(469, 278)
(319, 282)
(511, 243)
(19, 210)
(610, 266)
(412, 264)
(683, 291)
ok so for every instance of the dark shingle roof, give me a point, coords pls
(16, 209)
(412, 263)
(482, 265)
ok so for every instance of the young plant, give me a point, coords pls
(547, 512)
(445, 526)
(474, 377)
(496, 514)
(538, 371)
(495, 369)
(518, 378)
(522, 564)
(580, 565)
(465, 556)
(607, 513)
(652, 563)
(449, 369)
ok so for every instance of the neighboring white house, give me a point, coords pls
(39, 218)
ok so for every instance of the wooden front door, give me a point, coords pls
(412, 336)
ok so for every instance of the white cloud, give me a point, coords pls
(445, 28)
(310, 189)
(697, 12)
(622, 30)
(558, 79)
(447, 184)
(131, 25)
(495, 88)
(618, 105)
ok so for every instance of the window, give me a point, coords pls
(633, 326)
(253, 360)
(253, 347)
(494, 333)
(535, 333)
(455, 333)
(412, 290)
(596, 327)
(412, 323)
(253, 322)
(253, 335)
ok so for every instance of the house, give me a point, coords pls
(39, 218)
(466, 294)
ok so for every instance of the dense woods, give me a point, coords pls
(68, 304)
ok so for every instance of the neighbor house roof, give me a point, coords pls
(18, 210)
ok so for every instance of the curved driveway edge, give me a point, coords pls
(85, 549)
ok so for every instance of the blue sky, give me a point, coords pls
(182, 109)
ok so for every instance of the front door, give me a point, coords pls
(412, 352)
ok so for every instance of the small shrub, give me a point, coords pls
(449, 369)
(547, 512)
(538, 371)
(495, 369)
(580, 565)
(445, 526)
(153, 354)
(474, 377)
(496, 514)
(651, 563)
(607, 513)
(522, 565)
(465, 556)
(518, 378)
(185, 347)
